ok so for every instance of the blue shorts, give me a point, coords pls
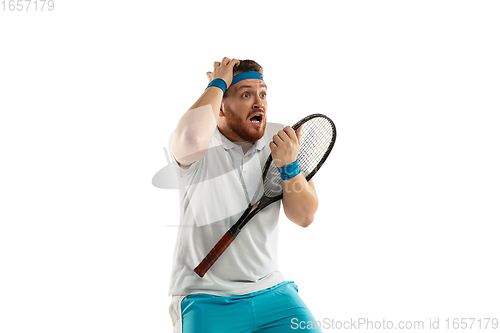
(274, 310)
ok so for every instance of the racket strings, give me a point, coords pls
(315, 142)
(316, 139)
(272, 182)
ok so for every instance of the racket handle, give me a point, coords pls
(214, 254)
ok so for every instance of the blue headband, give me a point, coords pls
(245, 76)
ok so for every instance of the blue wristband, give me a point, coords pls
(219, 83)
(289, 171)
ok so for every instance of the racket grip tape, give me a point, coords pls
(214, 254)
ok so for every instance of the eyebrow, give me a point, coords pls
(261, 85)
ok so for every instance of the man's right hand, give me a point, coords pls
(223, 70)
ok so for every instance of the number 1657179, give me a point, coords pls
(27, 5)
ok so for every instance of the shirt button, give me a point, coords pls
(244, 173)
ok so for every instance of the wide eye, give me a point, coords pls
(263, 94)
(245, 95)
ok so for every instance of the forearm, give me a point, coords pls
(211, 96)
(196, 127)
(300, 201)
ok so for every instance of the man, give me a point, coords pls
(221, 144)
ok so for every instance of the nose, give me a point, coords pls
(258, 103)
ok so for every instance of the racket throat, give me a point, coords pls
(248, 214)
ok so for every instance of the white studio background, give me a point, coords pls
(407, 227)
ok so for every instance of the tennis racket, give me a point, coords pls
(317, 138)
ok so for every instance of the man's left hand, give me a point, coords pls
(285, 146)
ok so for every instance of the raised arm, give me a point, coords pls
(196, 127)
(300, 201)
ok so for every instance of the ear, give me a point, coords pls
(221, 110)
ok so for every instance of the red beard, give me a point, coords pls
(241, 128)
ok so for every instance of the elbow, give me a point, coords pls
(188, 149)
(301, 218)
(187, 143)
(302, 221)
(301, 212)
(308, 217)
(192, 140)
(305, 222)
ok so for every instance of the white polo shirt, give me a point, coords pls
(214, 192)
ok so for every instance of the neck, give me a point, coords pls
(234, 138)
(231, 135)
(245, 146)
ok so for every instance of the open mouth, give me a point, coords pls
(257, 119)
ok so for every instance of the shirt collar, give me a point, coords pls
(228, 144)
